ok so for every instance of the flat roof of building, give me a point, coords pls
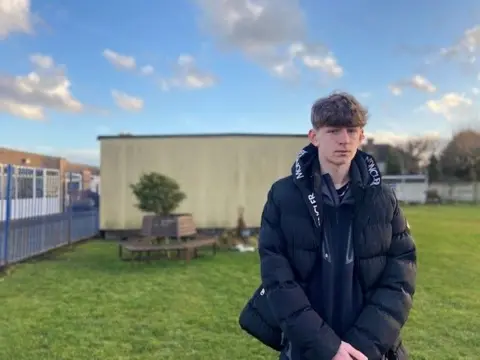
(206, 135)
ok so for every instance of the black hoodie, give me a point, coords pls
(333, 289)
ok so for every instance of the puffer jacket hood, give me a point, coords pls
(364, 170)
(364, 173)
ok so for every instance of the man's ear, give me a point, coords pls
(362, 135)
(312, 136)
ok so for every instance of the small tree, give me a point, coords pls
(157, 193)
(394, 162)
(433, 169)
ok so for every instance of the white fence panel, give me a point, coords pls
(461, 191)
(33, 191)
(95, 183)
(409, 188)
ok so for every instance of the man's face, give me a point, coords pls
(337, 145)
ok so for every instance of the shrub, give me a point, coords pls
(241, 225)
(433, 197)
(157, 193)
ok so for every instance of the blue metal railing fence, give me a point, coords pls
(38, 214)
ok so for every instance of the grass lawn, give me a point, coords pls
(86, 304)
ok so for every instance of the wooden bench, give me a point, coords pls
(185, 242)
(184, 250)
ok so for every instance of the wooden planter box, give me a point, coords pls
(169, 226)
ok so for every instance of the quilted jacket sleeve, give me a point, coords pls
(379, 324)
(301, 325)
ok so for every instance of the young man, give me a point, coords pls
(338, 263)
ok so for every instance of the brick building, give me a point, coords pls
(17, 157)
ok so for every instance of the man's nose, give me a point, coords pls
(343, 136)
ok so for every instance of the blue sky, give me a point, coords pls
(196, 66)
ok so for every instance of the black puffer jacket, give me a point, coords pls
(280, 313)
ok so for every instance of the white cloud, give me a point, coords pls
(386, 137)
(24, 111)
(127, 62)
(311, 57)
(396, 90)
(452, 106)
(417, 82)
(475, 91)
(395, 138)
(420, 83)
(147, 70)
(464, 51)
(253, 26)
(127, 102)
(466, 48)
(46, 87)
(122, 62)
(15, 17)
(42, 61)
(271, 33)
(187, 75)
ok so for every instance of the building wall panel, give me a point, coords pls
(219, 174)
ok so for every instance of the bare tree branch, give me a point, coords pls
(420, 148)
(415, 152)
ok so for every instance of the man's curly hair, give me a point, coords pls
(339, 109)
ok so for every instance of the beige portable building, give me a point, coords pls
(219, 173)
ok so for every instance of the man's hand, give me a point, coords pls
(348, 352)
